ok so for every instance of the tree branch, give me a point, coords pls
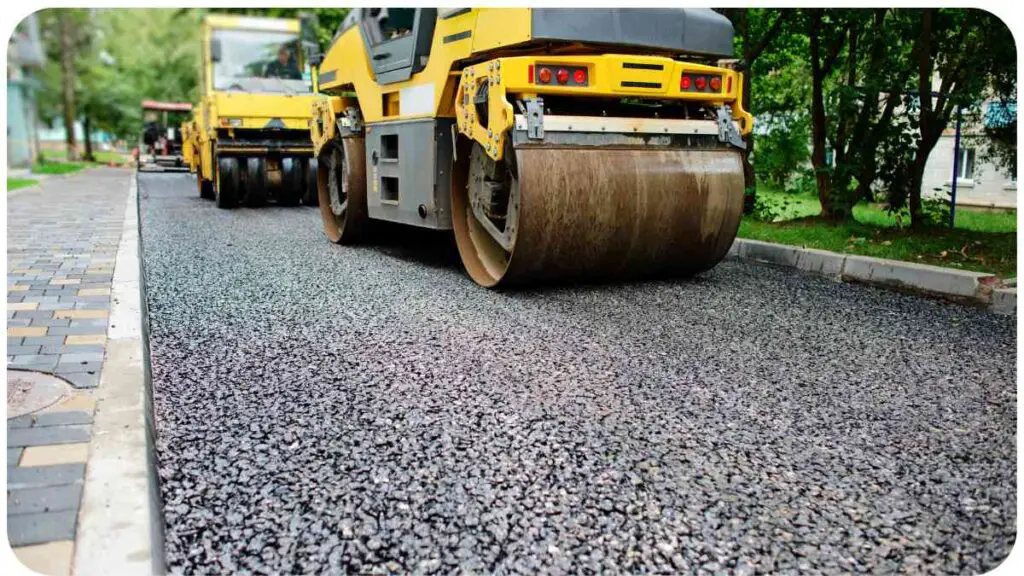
(752, 54)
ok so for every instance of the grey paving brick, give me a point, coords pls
(91, 322)
(40, 476)
(12, 322)
(62, 418)
(35, 361)
(82, 380)
(33, 293)
(92, 303)
(79, 366)
(50, 322)
(43, 340)
(14, 299)
(42, 299)
(48, 435)
(72, 330)
(20, 422)
(79, 358)
(13, 456)
(57, 306)
(29, 529)
(73, 349)
(13, 341)
(33, 314)
(21, 350)
(48, 499)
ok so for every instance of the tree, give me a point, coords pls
(68, 29)
(756, 30)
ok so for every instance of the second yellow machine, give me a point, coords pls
(248, 141)
(557, 143)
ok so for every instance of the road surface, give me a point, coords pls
(331, 409)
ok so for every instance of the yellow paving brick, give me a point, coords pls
(77, 339)
(78, 401)
(94, 292)
(22, 305)
(27, 331)
(64, 281)
(79, 314)
(58, 454)
(26, 271)
(18, 288)
(52, 558)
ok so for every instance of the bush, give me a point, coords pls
(783, 150)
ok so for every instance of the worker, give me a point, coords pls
(284, 66)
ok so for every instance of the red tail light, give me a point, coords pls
(562, 75)
(701, 82)
(716, 83)
(728, 85)
(544, 75)
(580, 76)
(685, 82)
(530, 73)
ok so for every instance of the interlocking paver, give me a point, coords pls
(51, 454)
(20, 350)
(13, 456)
(62, 418)
(49, 499)
(72, 349)
(50, 322)
(41, 476)
(26, 529)
(43, 340)
(79, 366)
(21, 437)
(73, 330)
(80, 358)
(81, 379)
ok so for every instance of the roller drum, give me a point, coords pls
(608, 214)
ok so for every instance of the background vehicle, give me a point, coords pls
(557, 143)
(160, 143)
(250, 132)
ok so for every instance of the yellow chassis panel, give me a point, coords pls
(605, 77)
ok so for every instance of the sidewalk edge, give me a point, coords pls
(975, 288)
(120, 525)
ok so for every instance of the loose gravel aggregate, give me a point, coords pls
(338, 409)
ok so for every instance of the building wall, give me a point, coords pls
(987, 186)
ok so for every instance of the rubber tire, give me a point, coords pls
(228, 183)
(310, 196)
(255, 182)
(355, 224)
(292, 182)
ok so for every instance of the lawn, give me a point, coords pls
(15, 183)
(985, 241)
(102, 156)
(57, 168)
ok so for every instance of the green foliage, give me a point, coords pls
(328, 19)
(16, 183)
(58, 168)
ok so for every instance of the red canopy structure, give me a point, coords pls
(166, 106)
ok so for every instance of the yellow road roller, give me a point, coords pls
(558, 144)
(248, 141)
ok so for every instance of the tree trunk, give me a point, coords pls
(818, 121)
(67, 67)
(87, 129)
(749, 176)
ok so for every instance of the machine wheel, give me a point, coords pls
(255, 182)
(228, 182)
(293, 182)
(556, 214)
(205, 187)
(309, 196)
(341, 187)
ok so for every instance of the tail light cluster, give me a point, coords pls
(702, 83)
(555, 75)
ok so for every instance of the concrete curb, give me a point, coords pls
(120, 525)
(976, 288)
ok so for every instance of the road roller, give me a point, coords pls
(248, 140)
(558, 144)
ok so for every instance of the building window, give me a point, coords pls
(966, 164)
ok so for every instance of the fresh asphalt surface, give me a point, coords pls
(331, 409)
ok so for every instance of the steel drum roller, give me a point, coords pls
(594, 214)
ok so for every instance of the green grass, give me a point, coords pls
(984, 241)
(101, 156)
(15, 183)
(57, 168)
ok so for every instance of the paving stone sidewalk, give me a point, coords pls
(62, 241)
